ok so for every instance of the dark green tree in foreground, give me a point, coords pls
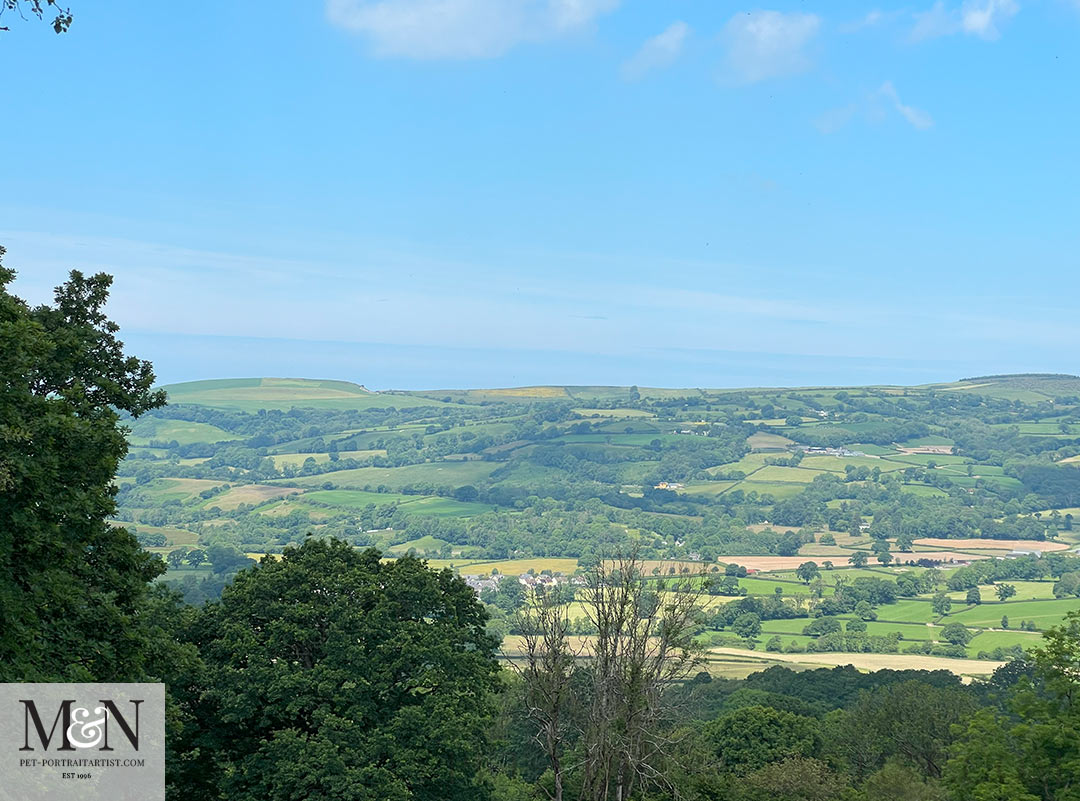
(71, 584)
(332, 675)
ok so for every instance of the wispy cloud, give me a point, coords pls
(916, 117)
(657, 52)
(981, 18)
(874, 18)
(874, 107)
(768, 44)
(461, 29)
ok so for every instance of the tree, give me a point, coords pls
(858, 559)
(642, 647)
(1004, 621)
(956, 633)
(466, 493)
(913, 721)
(1005, 591)
(377, 685)
(61, 22)
(176, 557)
(750, 738)
(807, 571)
(941, 604)
(548, 673)
(747, 625)
(974, 597)
(884, 557)
(70, 583)
(196, 556)
(864, 611)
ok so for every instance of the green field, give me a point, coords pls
(147, 429)
(252, 394)
(988, 614)
(451, 474)
(412, 504)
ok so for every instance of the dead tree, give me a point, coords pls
(546, 664)
(643, 644)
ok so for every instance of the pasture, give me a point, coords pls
(450, 474)
(253, 394)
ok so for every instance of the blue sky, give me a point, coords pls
(435, 193)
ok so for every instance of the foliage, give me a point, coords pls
(70, 583)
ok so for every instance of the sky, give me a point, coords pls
(463, 193)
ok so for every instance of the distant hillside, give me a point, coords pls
(1027, 387)
(252, 394)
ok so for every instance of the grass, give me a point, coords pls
(1044, 613)
(766, 441)
(909, 611)
(297, 459)
(422, 544)
(778, 489)
(451, 474)
(149, 428)
(432, 505)
(1025, 591)
(251, 494)
(183, 489)
(252, 394)
(613, 413)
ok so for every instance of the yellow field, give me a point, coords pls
(508, 567)
(528, 392)
(961, 667)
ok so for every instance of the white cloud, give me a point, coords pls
(461, 29)
(768, 44)
(981, 18)
(658, 52)
(874, 108)
(916, 117)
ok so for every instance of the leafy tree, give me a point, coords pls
(884, 557)
(858, 559)
(70, 583)
(941, 604)
(1004, 621)
(747, 625)
(376, 686)
(913, 721)
(176, 557)
(1005, 591)
(808, 571)
(864, 611)
(956, 633)
(750, 738)
(196, 556)
(974, 597)
(983, 764)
